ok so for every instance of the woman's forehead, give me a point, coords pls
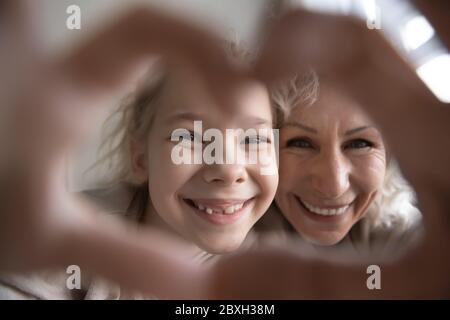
(331, 107)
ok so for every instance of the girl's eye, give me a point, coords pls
(256, 140)
(358, 144)
(299, 143)
(190, 136)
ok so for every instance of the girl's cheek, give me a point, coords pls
(161, 163)
(273, 181)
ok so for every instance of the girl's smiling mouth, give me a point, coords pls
(220, 211)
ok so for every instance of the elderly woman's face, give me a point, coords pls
(332, 163)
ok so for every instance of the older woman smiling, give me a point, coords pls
(337, 180)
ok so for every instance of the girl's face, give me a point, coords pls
(212, 205)
(332, 162)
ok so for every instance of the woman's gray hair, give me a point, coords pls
(395, 204)
(299, 90)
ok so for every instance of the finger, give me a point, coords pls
(303, 39)
(18, 20)
(145, 260)
(105, 59)
(53, 228)
(295, 277)
(437, 12)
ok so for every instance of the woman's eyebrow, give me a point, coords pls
(300, 125)
(358, 129)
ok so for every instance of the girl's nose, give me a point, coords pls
(226, 174)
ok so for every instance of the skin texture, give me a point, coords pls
(50, 227)
(331, 156)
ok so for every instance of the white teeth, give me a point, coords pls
(228, 210)
(326, 212)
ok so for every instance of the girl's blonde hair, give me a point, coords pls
(395, 203)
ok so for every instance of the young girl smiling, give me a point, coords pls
(210, 206)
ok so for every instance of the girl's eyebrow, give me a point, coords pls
(258, 121)
(187, 116)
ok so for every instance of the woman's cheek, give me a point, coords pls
(292, 169)
(370, 170)
(285, 165)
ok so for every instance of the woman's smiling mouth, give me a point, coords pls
(332, 214)
(338, 210)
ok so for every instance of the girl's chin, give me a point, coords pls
(222, 247)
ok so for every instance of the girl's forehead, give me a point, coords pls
(241, 101)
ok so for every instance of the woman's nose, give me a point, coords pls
(226, 174)
(330, 175)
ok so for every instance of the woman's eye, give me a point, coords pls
(299, 143)
(358, 144)
(256, 140)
